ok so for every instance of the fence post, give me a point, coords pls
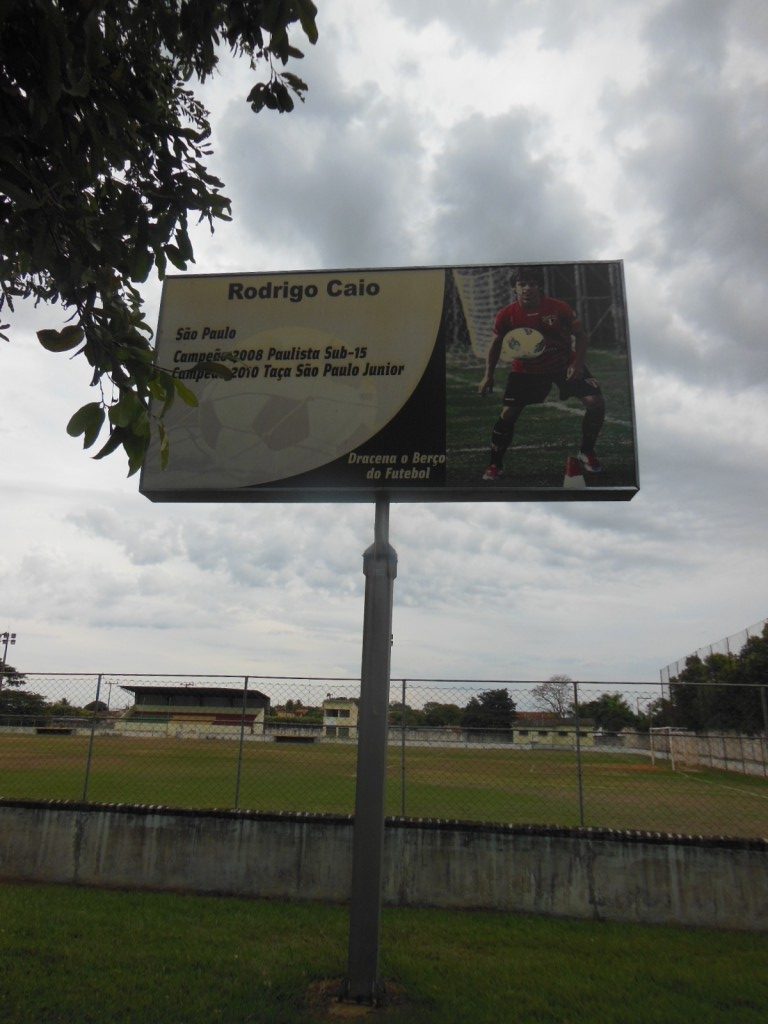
(743, 759)
(579, 773)
(402, 756)
(89, 758)
(362, 983)
(240, 747)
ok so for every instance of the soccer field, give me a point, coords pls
(473, 784)
(545, 434)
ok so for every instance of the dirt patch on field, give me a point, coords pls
(323, 1002)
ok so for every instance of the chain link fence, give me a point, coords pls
(546, 753)
(728, 645)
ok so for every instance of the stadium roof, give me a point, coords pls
(200, 691)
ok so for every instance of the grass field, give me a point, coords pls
(476, 784)
(545, 435)
(79, 956)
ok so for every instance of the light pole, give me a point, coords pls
(6, 639)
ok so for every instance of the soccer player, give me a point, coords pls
(530, 380)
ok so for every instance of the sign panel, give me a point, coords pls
(433, 384)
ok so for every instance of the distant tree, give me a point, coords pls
(754, 658)
(753, 663)
(609, 711)
(9, 676)
(63, 709)
(96, 706)
(555, 695)
(102, 167)
(693, 699)
(722, 691)
(436, 714)
(314, 716)
(14, 701)
(655, 713)
(399, 714)
(492, 709)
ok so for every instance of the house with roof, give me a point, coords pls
(340, 718)
(190, 711)
(531, 728)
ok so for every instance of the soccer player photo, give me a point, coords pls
(538, 378)
(463, 383)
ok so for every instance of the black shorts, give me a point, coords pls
(533, 388)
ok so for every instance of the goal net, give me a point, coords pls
(480, 292)
(476, 294)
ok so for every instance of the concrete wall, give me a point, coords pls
(727, 751)
(524, 739)
(181, 727)
(587, 873)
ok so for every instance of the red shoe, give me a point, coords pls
(590, 462)
(492, 473)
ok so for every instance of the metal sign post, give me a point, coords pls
(380, 568)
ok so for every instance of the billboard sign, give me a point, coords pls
(428, 384)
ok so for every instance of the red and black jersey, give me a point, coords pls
(554, 319)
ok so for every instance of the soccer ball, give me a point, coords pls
(522, 343)
(241, 434)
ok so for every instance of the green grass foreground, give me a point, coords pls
(93, 957)
(475, 784)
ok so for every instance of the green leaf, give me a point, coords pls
(87, 421)
(282, 98)
(157, 390)
(256, 97)
(185, 246)
(297, 84)
(162, 390)
(60, 341)
(141, 355)
(187, 396)
(135, 449)
(170, 395)
(217, 369)
(220, 207)
(141, 266)
(165, 448)
(140, 424)
(160, 263)
(72, 336)
(127, 409)
(22, 200)
(307, 14)
(114, 442)
(175, 257)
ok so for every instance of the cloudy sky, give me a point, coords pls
(533, 130)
